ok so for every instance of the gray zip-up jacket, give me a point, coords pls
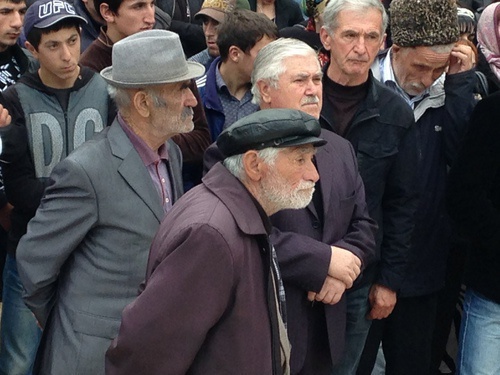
(42, 133)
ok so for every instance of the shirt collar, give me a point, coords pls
(147, 155)
(219, 81)
(387, 76)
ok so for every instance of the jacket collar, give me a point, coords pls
(211, 97)
(132, 169)
(368, 109)
(237, 199)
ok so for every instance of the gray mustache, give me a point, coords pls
(310, 100)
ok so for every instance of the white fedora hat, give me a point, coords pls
(149, 58)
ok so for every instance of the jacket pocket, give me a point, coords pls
(377, 150)
(374, 162)
(95, 325)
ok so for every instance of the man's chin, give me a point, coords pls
(414, 91)
(213, 52)
(313, 110)
(305, 198)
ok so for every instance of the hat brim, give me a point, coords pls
(49, 21)
(195, 70)
(315, 141)
(216, 14)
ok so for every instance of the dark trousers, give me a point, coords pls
(3, 255)
(406, 337)
(318, 360)
(447, 311)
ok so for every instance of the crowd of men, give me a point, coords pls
(185, 192)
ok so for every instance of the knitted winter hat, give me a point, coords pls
(423, 22)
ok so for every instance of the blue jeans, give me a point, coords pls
(20, 334)
(479, 342)
(356, 330)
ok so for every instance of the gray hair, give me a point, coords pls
(268, 65)
(120, 96)
(158, 101)
(440, 48)
(334, 7)
(234, 164)
(122, 99)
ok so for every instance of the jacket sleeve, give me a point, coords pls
(194, 143)
(304, 261)
(360, 236)
(22, 188)
(473, 180)
(195, 276)
(66, 214)
(459, 104)
(400, 202)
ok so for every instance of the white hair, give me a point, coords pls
(120, 96)
(334, 7)
(268, 65)
(234, 164)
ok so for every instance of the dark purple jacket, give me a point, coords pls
(303, 243)
(204, 307)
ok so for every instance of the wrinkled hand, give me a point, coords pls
(382, 300)
(5, 118)
(344, 266)
(461, 59)
(330, 293)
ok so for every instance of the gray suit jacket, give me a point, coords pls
(86, 250)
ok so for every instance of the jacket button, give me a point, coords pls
(315, 224)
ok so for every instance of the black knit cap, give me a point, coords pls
(424, 22)
(270, 128)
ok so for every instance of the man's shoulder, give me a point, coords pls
(93, 152)
(97, 56)
(390, 103)
(92, 80)
(491, 101)
(334, 141)
(201, 208)
(27, 81)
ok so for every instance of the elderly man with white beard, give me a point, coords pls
(322, 248)
(213, 300)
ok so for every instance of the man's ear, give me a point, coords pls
(142, 103)
(106, 13)
(32, 49)
(382, 44)
(253, 166)
(326, 39)
(264, 89)
(234, 54)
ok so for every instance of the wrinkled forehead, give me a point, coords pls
(432, 56)
(302, 62)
